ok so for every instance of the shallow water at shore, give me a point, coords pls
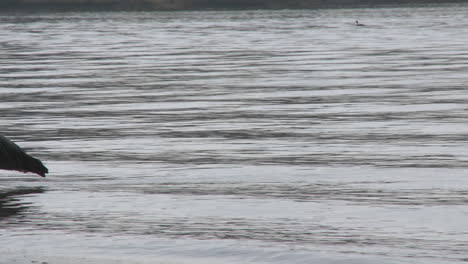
(237, 137)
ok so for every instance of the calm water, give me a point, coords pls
(237, 137)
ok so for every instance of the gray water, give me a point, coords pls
(237, 137)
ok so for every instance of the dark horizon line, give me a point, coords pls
(146, 5)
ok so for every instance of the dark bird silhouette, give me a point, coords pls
(359, 24)
(12, 157)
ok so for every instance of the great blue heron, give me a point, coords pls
(12, 157)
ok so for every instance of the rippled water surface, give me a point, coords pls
(237, 137)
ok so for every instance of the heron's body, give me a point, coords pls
(12, 157)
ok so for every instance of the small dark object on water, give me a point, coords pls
(359, 24)
(12, 157)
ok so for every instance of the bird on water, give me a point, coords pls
(12, 157)
(359, 24)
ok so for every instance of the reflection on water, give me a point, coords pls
(11, 204)
(238, 137)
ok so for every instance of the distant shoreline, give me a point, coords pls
(168, 5)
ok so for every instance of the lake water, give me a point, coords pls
(237, 136)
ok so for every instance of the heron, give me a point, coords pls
(12, 157)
